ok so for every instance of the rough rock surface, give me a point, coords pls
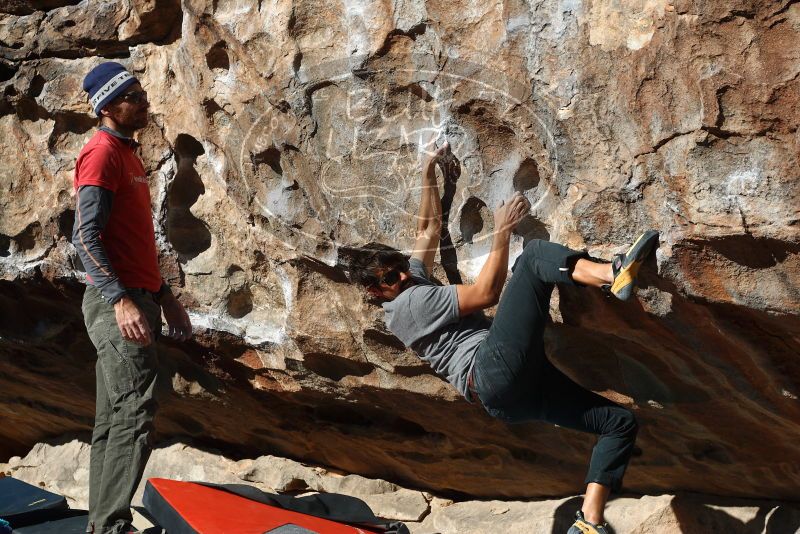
(64, 467)
(285, 133)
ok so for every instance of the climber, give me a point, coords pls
(125, 294)
(502, 364)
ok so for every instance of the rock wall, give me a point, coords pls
(284, 134)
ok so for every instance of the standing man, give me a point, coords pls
(125, 294)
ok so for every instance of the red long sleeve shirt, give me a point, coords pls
(128, 237)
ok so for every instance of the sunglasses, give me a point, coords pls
(390, 277)
(135, 97)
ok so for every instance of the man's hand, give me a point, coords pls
(180, 327)
(132, 322)
(508, 215)
(438, 154)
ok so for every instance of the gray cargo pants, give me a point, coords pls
(126, 403)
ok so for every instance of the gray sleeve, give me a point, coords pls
(433, 307)
(417, 268)
(91, 216)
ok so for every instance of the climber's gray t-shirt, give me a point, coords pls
(425, 318)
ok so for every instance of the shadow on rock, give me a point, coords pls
(704, 514)
(564, 515)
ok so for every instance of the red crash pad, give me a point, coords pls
(191, 508)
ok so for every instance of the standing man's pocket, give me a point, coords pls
(113, 352)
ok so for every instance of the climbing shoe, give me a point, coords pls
(582, 526)
(626, 266)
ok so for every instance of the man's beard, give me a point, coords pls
(139, 122)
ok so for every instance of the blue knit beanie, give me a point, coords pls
(105, 82)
